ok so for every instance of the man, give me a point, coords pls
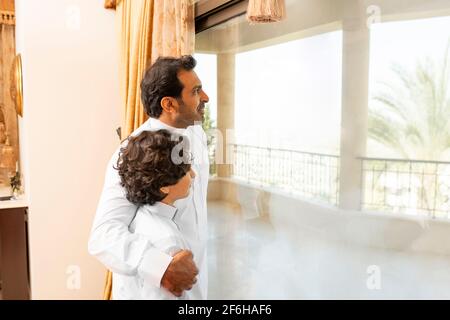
(173, 97)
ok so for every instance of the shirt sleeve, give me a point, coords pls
(113, 244)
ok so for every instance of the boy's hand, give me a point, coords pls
(180, 274)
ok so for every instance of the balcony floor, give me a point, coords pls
(251, 258)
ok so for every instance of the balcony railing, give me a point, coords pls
(391, 185)
(406, 186)
(305, 174)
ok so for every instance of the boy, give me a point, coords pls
(155, 172)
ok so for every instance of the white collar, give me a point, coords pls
(162, 209)
(155, 124)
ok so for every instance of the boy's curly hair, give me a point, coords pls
(145, 165)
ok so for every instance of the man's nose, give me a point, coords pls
(192, 173)
(204, 97)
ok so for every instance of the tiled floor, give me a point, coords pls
(249, 258)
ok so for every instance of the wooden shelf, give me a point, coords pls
(11, 204)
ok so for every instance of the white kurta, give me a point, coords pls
(127, 253)
(158, 223)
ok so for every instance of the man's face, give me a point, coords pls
(181, 189)
(193, 98)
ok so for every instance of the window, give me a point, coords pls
(287, 106)
(409, 118)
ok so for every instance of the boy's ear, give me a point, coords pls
(165, 190)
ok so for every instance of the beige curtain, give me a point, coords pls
(147, 29)
(8, 124)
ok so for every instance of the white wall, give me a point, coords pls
(71, 111)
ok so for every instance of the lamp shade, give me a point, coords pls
(265, 11)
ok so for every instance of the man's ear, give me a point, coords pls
(168, 104)
(165, 190)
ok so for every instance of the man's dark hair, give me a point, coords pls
(145, 165)
(161, 80)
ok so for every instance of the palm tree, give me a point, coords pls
(412, 116)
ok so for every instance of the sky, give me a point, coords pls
(288, 95)
(206, 70)
(279, 93)
(405, 42)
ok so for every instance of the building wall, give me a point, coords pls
(71, 112)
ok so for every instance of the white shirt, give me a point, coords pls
(159, 224)
(133, 254)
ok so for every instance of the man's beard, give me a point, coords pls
(192, 120)
(201, 110)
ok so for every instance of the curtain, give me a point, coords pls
(8, 124)
(147, 29)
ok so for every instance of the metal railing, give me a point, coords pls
(414, 187)
(406, 186)
(305, 174)
(212, 146)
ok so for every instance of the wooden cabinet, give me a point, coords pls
(14, 266)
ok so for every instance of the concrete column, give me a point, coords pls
(355, 83)
(225, 106)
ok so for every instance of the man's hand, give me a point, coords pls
(180, 274)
